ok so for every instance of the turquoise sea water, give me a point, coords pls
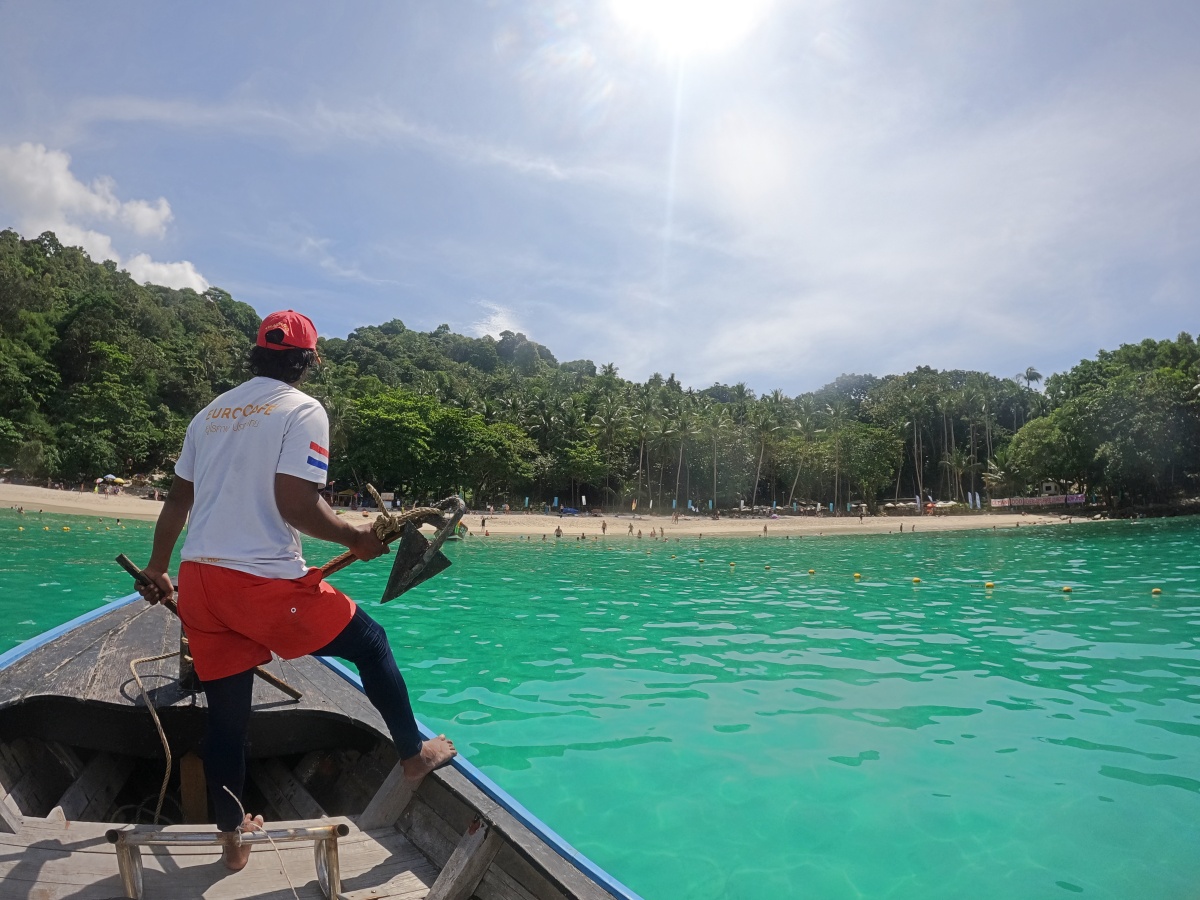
(703, 731)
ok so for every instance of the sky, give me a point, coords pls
(768, 191)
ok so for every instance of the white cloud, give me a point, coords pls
(38, 192)
(172, 274)
(319, 123)
(497, 319)
(317, 250)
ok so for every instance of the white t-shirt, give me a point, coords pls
(232, 451)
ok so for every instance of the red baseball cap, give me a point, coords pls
(298, 331)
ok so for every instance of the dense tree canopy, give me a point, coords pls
(99, 374)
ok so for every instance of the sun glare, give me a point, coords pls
(686, 27)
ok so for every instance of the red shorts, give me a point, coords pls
(234, 620)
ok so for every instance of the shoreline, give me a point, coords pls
(534, 525)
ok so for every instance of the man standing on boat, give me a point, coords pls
(249, 474)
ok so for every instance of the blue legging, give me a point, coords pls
(362, 642)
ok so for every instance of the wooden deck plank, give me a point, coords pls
(76, 860)
(389, 801)
(28, 675)
(470, 859)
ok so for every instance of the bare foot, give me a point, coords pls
(236, 854)
(434, 754)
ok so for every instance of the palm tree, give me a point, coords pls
(917, 402)
(644, 416)
(662, 437)
(763, 423)
(837, 412)
(687, 429)
(805, 426)
(956, 462)
(947, 403)
(1001, 476)
(609, 423)
(1031, 376)
(716, 421)
(740, 398)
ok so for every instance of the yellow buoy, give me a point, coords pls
(45, 528)
(89, 528)
(672, 556)
(989, 585)
(1066, 589)
(858, 575)
(66, 528)
(1156, 591)
(916, 581)
(702, 559)
(731, 565)
(812, 571)
(20, 528)
(768, 568)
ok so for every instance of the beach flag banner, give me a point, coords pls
(1056, 500)
(793, 506)
(634, 506)
(584, 496)
(672, 504)
(831, 507)
(527, 503)
(710, 504)
(555, 503)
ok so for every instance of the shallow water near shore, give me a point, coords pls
(704, 730)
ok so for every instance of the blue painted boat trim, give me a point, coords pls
(504, 799)
(9, 657)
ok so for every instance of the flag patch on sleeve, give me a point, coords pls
(322, 464)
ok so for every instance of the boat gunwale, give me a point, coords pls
(481, 781)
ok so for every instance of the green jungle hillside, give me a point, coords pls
(101, 375)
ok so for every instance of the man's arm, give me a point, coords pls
(301, 505)
(166, 532)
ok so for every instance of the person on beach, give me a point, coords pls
(249, 474)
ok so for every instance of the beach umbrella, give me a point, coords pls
(110, 477)
(99, 481)
(119, 481)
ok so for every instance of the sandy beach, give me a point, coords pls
(73, 503)
(519, 524)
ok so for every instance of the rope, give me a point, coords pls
(162, 793)
(162, 735)
(254, 826)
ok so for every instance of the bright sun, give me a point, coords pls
(685, 27)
